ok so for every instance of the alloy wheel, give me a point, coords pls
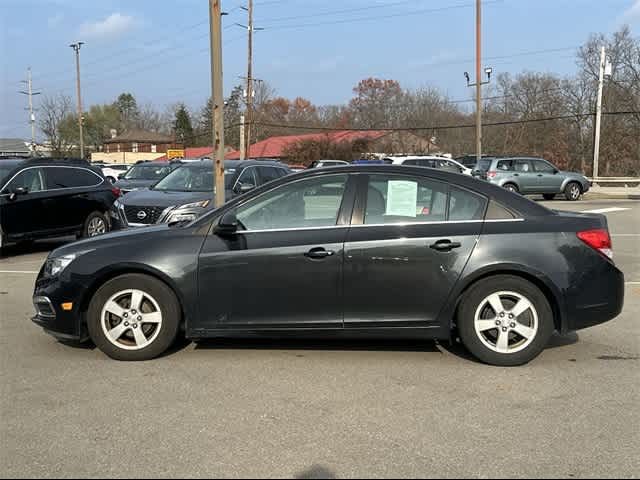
(574, 191)
(96, 227)
(131, 319)
(506, 322)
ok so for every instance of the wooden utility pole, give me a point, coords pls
(76, 47)
(243, 153)
(478, 80)
(215, 21)
(249, 80)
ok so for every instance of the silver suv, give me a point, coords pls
(536, 176)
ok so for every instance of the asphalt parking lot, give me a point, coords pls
(238, 408)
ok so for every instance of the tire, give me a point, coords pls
(512, 187)
(95, 224)
(549, 196)
(573, 191)
(132, 338)
(478, 321)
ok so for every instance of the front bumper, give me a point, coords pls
(48, 297)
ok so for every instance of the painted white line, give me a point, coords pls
(625, 234)
(26, 272)
(606, 210)
(632, 283)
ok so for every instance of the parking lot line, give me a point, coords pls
(25, 272)
(606, 210)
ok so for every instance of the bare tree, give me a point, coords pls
(56, 115)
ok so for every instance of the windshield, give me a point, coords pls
(193, 179)
(147, 172)
(4, 171)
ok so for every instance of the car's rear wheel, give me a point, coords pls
(549, 196)
(511, 187)
(95, 224)
(133, 317)
(505, 321)
(573, 191)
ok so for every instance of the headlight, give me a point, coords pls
(181, 217)
(54, 266)
(202, 204)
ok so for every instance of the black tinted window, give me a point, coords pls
(268, 174)
(410, 162)
(29, 179)
(70, 177)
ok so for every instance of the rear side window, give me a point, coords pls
(465, 205)
(70, 177)
(506, 165)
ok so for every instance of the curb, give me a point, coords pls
(611, 196)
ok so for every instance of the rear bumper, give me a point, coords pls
(599, 301)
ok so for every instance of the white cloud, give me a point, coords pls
(55, 20)
(114, 25)
(632, 14)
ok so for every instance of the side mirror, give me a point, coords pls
(244, 187)
(556, 171)
(228, 224)
(18, 191)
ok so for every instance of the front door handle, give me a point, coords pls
(319, 253)
(445, 245)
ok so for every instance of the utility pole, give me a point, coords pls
(243, 153)
(215, 21)
(32, 117)
(596, 143)
(479, 81)
(76, 47)
(249, 79)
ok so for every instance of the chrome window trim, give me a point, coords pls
(102, 180)
(405, 224)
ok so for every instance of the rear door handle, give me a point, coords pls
(319, 253)
(445, 245)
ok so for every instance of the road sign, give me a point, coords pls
(175, 153)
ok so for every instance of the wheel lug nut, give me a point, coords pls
(498, 322)
(139, 318)
(511, 315)
(513, 325)
(135, 325)
(502, 315)
(126, 324)
(504, 329)
(125, 315)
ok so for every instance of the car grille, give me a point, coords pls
(151, 214)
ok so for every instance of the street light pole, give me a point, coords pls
(76, 47)
(215, 21)
(478, 80)
(596, 143)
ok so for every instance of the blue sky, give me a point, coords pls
(318, 49)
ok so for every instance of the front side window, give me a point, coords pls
(268, 174)
(398, 199)
(308, 203)
(30, 179)
(58, 177)
(543, 167)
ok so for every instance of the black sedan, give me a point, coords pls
(379, 251)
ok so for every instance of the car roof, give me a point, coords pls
(235, 163)
(517, 202)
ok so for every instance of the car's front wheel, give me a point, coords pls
(133, 317)
(511, 187)
(572, 191)
(505, 321)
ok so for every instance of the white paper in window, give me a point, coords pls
(402, 197)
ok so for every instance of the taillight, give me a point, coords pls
(116, 191)
(491, 174)
(598, 239)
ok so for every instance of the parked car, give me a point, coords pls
(42, 198)
(385, 251)
(470, 161)
(441, 163)
(187, 192)
(113, 171)
(144, 175)
(536, 176)
(328, 163)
